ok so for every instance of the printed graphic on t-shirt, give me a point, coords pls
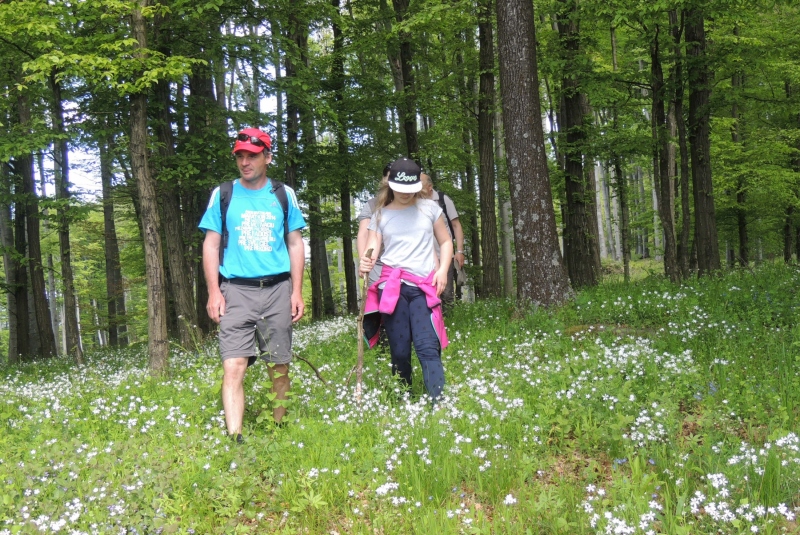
(256, 230)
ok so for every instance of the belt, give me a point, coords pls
(257, 282)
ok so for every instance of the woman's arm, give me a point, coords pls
(374, 241)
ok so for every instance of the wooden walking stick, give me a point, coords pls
(360, 364)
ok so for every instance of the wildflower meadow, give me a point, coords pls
(648, 408)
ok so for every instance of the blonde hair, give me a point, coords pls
(385, 196)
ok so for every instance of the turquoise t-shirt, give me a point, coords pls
(255, 230)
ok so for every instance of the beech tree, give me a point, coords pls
(541, 277)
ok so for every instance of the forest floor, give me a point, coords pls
(641, 408)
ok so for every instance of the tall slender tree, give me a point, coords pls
(541, 277)
(61, 156)
(705, 223)
(486, 182)
(157, 342)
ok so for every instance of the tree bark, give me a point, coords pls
(41, 308)
(158, 348)
(201, 119)
(580, 227)
(292, 101)
(10, 261)
(541, 277)
(486, 182)
(351, 283)
(409, 102)
(469, 213)
(705, 222)
(21, 275)
(620, 185)
(180, 279)
(61, 152)
(676, 29)
(115, 297)
(44, 328)
(741, 206)
(50, 287)
(505, 205)
(661, 170)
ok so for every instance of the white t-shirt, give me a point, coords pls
(408, 238)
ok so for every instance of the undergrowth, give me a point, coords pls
(642, 408)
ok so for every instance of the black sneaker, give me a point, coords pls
(280, 425)
(239, 438)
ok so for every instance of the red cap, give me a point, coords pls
(248, 145)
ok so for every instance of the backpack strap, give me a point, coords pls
(225, 193)
(446, 215)
(280, 192)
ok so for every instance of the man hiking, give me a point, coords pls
(253, 259)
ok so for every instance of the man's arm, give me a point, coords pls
(445, 254)
(216, 302)
(362, 237)
(459, 236)
(297, 261)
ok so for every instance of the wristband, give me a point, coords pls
(457, 252)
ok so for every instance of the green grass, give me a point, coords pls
(643, 408)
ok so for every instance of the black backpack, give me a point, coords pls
(225, 194)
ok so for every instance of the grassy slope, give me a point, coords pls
(635, 409)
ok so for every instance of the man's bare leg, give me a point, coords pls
(279, 374)
(233, 393)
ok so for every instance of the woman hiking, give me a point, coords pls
(406, 296)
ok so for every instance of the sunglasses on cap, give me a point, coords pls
(252, 139)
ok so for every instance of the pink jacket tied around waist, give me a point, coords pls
(393, 278)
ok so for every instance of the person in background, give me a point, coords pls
(255, 286)
(363, 218)
(456, 232)
(406, 226)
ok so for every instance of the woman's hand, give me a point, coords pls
(439, 281)
(366, 264)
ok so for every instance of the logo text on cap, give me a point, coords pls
(403, 177)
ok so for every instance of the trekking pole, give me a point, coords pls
(360, 363)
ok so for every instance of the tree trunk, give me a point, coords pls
(469, 213)
(580, 227)
(115, 298)
(486, 182)
(41, 308)
(683, 246)
(157, 346)
(741, 207)
(541, 277)
(409, 102)
(351, 282)
(788, 235)
(705, 222)
(10, 260)
(201, 107)
(44, 328)
(662, 173)
(21, 274)
(292, 102)
(180, 279)
(505, 205)
(620, 185)
(60, 153)
(50, 288)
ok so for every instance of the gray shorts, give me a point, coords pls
(257, 322)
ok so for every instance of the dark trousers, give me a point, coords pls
(449, 294)
(411, 322)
